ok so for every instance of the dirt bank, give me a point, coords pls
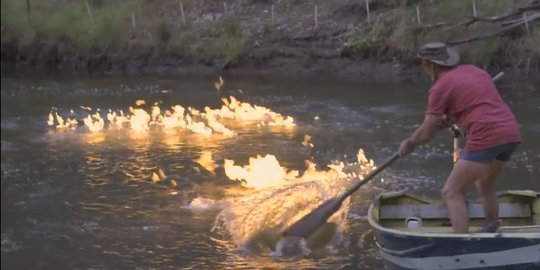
(262, 36)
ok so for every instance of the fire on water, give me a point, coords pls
(206, 123)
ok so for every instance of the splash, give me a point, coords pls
(201, 203)
(278, 203)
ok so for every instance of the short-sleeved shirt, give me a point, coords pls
(467, 94)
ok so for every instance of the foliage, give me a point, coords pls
(231, 26)
(65, 26)
(164, 31)
(231, 44)
(482, 53)
(358, 42)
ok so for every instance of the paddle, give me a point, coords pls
(310, 223)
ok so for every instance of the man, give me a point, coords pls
(466, 95)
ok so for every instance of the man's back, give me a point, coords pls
(467, 94)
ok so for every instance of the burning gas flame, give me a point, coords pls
(94, 122)
(262, 172)
(207, 162)
(139, 120)
(307, 141)
(54, 117)
(282, 197)
(219, 84)
(206, 123)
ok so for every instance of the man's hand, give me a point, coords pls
(431, 125)
(406, 147)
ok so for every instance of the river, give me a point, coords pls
(75, 199)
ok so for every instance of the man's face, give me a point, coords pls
(428, 68)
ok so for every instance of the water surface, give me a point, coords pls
(76, 199)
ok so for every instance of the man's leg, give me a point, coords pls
(485, 187)
(463, 175)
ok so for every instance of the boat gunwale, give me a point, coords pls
(471, 235)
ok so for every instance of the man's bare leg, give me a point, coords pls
(463, 175)
(486, 190)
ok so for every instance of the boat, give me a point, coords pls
(413, 232)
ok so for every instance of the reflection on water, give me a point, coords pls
(174, 198)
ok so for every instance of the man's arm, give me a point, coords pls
(423, 134)
(427, 130)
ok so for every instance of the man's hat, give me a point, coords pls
(440, 54)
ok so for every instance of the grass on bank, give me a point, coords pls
(72, 27)
(157, 28)
(406, 34)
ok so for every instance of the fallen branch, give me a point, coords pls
(519, 11)
(516, 12)
(437, 25)
(532, 18)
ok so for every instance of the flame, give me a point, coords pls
(50, 120)
(158, 176)
(94, 122)
(307, 141)
(54, 117)
(68, 123)
(175, 119)
(156, 114)
(219, 84)
(199, 128)
(139, 120)
(261, 172)
(206, 123)
(206, 161)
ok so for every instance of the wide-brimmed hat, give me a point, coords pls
(439, 53)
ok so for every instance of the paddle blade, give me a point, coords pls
(310, 223)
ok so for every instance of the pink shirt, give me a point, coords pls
(467, 94)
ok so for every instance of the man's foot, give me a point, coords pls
(491, 227)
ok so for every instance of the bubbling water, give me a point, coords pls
(291, 246)
(279, 196)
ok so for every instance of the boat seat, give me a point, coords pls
(446, 229)
(502, 229)
(438, 211)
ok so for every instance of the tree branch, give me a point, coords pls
(532, 18)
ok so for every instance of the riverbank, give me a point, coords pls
(343, 37)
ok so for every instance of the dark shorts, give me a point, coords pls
(501, 152)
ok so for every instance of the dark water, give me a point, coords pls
(81, 200)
